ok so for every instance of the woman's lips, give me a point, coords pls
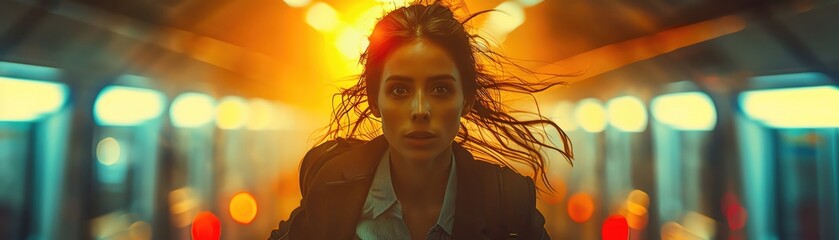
(420, 138)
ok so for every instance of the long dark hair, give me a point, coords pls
(501, 138)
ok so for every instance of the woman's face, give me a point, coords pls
(420, 100)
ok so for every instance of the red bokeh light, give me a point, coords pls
(206, 226)
(734, 212)
(615, 228)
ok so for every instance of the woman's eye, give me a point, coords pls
(441, 90)
(399, 91)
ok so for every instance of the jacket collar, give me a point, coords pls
(345, 195)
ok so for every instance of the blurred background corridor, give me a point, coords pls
(187, 119)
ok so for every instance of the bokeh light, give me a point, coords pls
(734, 211)
(261, 114)
(27, 100)
(231, 113)
(637, 213)
(805, 107)
(615, 228)
(510, 15)
(685, 111)
(139, 230)
(563, 115)
(322, 17)
(351, 42)
(182, 205)
(206, 226)
(127, 106)
(108, 151)
(580, 207)
(590, 115)
(191, 110)
(243, 207)
(627, 113)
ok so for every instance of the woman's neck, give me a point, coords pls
(418, 179)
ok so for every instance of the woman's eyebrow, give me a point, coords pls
(399, 78)
(441, 77)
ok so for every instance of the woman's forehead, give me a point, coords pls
(419, 59)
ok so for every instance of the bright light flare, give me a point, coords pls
(243, 207)
(509, 16)
(190, 110)
(804, 107)
(231, 113)
(127, 106)
(24, 100)
(685, 111)
(351, 42)
(590, 115)
(322, 17)
(627, 114)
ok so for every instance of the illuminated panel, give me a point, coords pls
(322, 17)
(590, 115)
(804, 107)
(627, 114)
(231, 113)
(24, 100)
(191, 110)
(127, 106)
(685, 111)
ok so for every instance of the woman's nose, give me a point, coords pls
(420, 108)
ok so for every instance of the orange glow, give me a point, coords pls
(206, 226)
(636, 209)
(558, 194)
(614, 56)
(243, 207)
(580, 207)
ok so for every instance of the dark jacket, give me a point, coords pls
(492, 202)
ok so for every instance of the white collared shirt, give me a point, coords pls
(381, 217)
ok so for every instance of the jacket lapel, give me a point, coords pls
(345, 195)
(468, 217)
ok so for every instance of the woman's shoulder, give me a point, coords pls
(504, 174)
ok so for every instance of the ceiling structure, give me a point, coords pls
(266, 44)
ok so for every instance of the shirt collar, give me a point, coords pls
(382, 196)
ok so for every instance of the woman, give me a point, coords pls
(421, 78)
